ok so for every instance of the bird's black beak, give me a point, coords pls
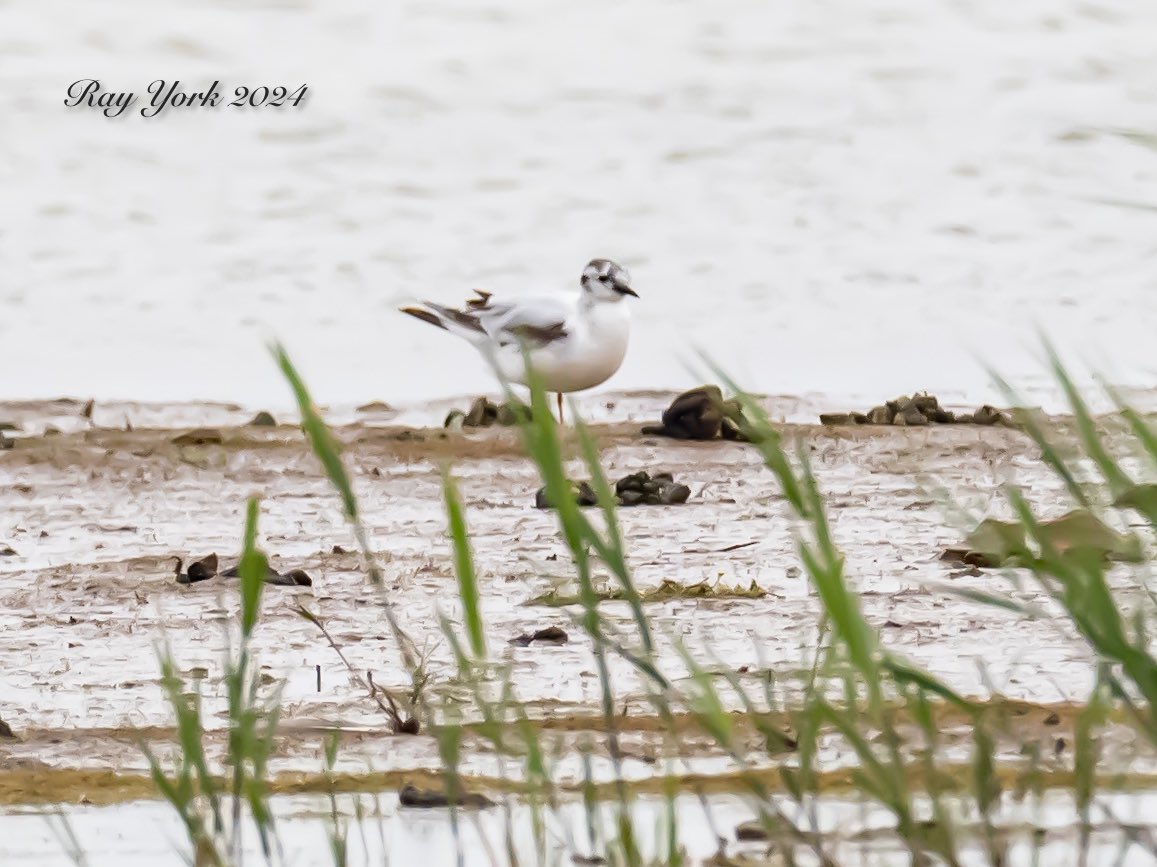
(624, 289)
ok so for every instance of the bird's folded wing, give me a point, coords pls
(537, 322)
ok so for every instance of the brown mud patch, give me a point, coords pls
(96, 515)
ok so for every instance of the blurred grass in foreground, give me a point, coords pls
(858, 698)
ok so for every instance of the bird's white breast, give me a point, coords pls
(596, 344)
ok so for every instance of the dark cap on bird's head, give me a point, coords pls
(606, 278)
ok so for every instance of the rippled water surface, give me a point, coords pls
(842, 197)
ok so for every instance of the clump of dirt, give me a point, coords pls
(550, 635)
(637, 489)
(484, 412)
(199, 570)
(412, 796)
(918, 410)
(1005, 543)
(700, 414)
(263, 419)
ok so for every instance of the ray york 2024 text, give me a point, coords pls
(162, 95)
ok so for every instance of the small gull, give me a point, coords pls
(574, 342)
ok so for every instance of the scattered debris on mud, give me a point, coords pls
(637, 489)
(484, 412)
(700, 414)
(666, 591)
(915, 411)
(412, 796)
(1004, 543)
(549, 635)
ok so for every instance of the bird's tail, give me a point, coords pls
(460, 322)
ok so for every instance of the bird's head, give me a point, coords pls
(604, 280)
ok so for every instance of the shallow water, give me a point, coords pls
(848, 198)
(397, 835)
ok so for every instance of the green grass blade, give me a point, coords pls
(252, 571)
(464, 567)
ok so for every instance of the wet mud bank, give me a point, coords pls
(91, 519)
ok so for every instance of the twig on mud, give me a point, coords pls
(389, 707)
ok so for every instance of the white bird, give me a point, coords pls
(574, 342)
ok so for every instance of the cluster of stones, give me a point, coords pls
(700, 414)
(486, 413)
(917, 410)
(637, 489)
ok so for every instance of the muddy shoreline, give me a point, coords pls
(95, 515)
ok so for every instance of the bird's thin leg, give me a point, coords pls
(558, 394)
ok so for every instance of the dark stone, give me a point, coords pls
(482, 413)
(338, 549)
(7, 442)
(199, 570)
(411, 796)
(633, 482)
(630, 498)
(7, 551)
(751, 831)
(292, 578)
(928, 404)
(880, 415)
(263, 419)
(583, 493)
(6, 730)
(837, 418)
(636, 489)
(911, 416)
(989, 415)
(511, 414)
(8, 426)
(700, 414)
(409, 726)
(549, 635)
